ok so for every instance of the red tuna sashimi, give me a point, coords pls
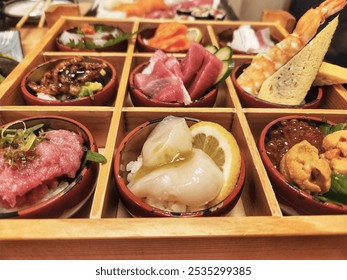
(60, 155)
(173, 93)
(206, 76)
(157, 56)
(160, 80)
(174, 66)
(192, 62)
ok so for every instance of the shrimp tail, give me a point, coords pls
(264, 65)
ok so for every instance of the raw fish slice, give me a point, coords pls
(173, 92)
(157, 56)
(192, 62)
(161, 78)
(192, 182)
(206, 76)
(174, 66)
(161, 145)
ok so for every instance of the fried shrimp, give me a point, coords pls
(264, 65)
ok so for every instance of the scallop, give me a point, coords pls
(192, 182)
(169, 139)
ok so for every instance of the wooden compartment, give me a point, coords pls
(254, 229)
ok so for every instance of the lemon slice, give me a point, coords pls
(222, 147)
(194, 34)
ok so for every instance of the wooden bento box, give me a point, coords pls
(254, 229)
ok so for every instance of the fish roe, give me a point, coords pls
(288, 133)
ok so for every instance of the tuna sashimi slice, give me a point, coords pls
(174, 66)
(162, 82)
(173, 93)
(157, 56)
(206, 77)
(192, 62)
(60, 155)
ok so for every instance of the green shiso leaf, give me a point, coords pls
(338, 190)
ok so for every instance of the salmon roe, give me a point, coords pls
(288, 133)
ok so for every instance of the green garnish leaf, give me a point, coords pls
(94, 157)
(328, 128)
(338, 190)
(17, 145)
(29, 143)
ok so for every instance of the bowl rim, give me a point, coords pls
(43, 102)
(270, 167)
(211, 94)
(268, 104)
(31, 209)
(222, 207)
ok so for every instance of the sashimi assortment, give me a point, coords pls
(171, 36)
(92, 36)
(169, 79)
(246, 39)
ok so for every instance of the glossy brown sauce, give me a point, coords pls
(287, 134)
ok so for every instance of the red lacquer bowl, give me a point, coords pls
(312, 100)
(140, 99)
(292, 200)
(130, 148)
(69, 199)
(104, 97)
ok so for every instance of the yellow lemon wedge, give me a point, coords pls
(194, 34)
(222, 147)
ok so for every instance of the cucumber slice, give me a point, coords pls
(224, 53)
(227, 68)
(211, 48)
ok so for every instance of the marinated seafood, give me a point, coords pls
(70, 79)
(302, 166)
(287, 134)
(311, 156)
(335, 146)
(264, 65)
(92, 36)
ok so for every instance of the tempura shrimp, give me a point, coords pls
(264, 65)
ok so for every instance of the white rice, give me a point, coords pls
(45, 96)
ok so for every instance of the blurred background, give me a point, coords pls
(244, 10)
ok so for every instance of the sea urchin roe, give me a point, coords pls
(287, 134)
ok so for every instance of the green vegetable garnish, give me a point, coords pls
(89, 88)
(94, 157)
(17, 145)
(328, 128)
(338, 190)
